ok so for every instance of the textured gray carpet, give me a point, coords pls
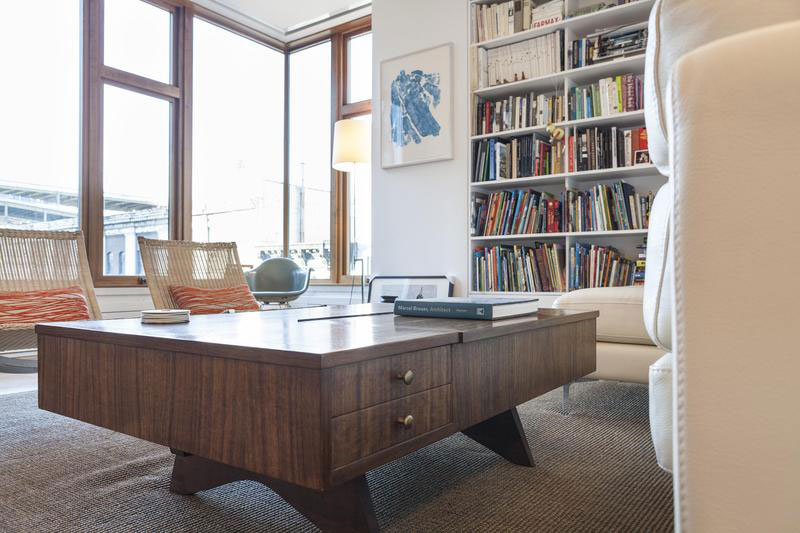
(596, 471)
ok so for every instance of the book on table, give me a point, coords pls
(165, 316)
(468, 308)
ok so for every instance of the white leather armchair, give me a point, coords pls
(723, 117)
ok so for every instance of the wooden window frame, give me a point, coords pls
(340, 109)
(95, 74)
(347, 110)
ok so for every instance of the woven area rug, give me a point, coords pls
(595, 471)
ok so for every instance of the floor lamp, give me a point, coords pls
(351, 151)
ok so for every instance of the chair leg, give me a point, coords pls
(565, 398)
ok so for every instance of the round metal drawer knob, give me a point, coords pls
(406, 377)
(406, 421)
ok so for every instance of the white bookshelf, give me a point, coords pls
(644, 178)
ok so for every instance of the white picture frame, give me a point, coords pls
(421, 132)
(408, 288)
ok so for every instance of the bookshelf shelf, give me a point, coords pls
(559, 235)
(519, 237)
(578, 76)
(589, 73)
(631, 118)
(643, 178)
(518, 183)
(603, 174)
(509, 133)
(514, 294)
(615, 233)
(521, 36)
(613, 16)
(612, 173)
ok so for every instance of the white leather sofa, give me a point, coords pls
(723, 119)
(625, 350)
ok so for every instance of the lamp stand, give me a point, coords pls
(359, 260)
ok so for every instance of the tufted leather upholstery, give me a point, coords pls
(736, 282)
(624, 349)
(657, 297)
(675, 28)
(680, 26)
(660, 381)
(714, 70)
(620, 309)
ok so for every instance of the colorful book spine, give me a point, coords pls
(536, 268)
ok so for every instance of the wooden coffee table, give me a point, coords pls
(307, 401)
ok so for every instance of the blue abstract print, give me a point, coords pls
(413, 97)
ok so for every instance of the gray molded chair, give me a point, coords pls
(278, 280)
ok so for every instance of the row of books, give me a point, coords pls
(490, 21)
(609, 96)
(616, 206)
(608, 45)
(520, 157)
(515, 212)
(641, 263)
(598, 266)
(540, 268)
(599, 148)
(514, 112)
(525, 211)
(525, 60)
(536, 268)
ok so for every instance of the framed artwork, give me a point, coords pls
(417, 107)
(386, 289)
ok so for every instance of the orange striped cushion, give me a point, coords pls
(209, 301)
(51, 305)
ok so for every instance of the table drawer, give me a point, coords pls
(369, 383)
(363, 433)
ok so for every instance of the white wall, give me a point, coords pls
(419, 213)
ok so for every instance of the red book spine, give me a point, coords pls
(572, 154)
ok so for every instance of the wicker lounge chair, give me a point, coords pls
(40, 260)
(213, 265)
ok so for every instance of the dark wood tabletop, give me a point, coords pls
(318, 337)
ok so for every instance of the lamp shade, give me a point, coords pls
(351, 144)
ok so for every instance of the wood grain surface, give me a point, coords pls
(280, 337)
(310, 406)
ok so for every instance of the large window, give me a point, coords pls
(133, 131)
(237, 152)
(159, 118)
(359, 184)
(359, 221)
(310, 158)
(359, 68)
(40, 114)
(136, 173)
(137, 39)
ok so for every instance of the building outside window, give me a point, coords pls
(108, 156)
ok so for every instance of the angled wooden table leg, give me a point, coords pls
(346, 508)
(503, 434)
